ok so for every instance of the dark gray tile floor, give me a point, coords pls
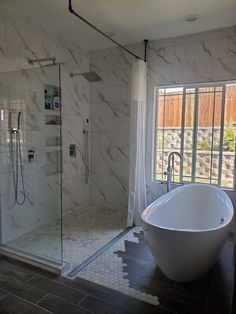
(27, 290)
(209, 295)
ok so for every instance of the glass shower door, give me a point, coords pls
(30, 162)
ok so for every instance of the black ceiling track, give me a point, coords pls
(145, 49)
(105, 35)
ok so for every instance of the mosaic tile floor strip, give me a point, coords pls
(108, 270)
(89, 260)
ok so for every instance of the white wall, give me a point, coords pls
(110, 118)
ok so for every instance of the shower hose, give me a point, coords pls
(18, 167)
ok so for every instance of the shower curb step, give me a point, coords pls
(47, 264)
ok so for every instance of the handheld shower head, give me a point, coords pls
(17, 162)
(19, 121)
(17, 129)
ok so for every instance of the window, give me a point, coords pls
(198, 121)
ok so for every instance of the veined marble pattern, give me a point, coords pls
(85, 231)
(194, 58)
(22, 89)
(107, 270)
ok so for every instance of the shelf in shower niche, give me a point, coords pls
(49, 123)
(52, 119)
(53, 148)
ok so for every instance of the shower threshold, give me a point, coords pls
(49, 265)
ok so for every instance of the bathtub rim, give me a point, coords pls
(174, 191)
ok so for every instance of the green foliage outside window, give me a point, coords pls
(229, 137)
(229, 140)
(163, 140)
(204, 145)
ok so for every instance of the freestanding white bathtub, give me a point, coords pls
(186, 229)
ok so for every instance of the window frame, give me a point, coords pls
(189, 86)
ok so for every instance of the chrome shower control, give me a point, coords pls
(72, 150)
(31, 155)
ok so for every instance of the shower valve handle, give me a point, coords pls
(31, 155)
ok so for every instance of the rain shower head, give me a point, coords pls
(91, 77)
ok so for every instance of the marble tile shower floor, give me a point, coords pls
(85, 231)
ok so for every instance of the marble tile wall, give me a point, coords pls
(202, 57)
(110, 120)
(23, 90)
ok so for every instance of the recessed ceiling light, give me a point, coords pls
(110, 34)
(191, 18)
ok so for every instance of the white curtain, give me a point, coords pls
(137, 181)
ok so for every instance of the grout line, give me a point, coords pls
(23, 283)
(31, 303)
(27, 281)
(44, 297)
(86, 295)
(109, 302)
(3, 296)
(74, 288)
(84, 309)
(64, 300)
(89, 260)
(60, 284)
(105, 302)
(17, 280)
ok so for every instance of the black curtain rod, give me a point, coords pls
(145, 49)
(104, 34)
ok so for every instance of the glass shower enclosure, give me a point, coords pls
(31, 165)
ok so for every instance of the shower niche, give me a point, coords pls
(52, 119)
(53, 164)
(52, 107)
(51, 97)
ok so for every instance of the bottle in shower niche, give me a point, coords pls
(47, 100)
(56, 101)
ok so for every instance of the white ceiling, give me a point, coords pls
(131, 20)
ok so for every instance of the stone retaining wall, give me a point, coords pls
(172, 141)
